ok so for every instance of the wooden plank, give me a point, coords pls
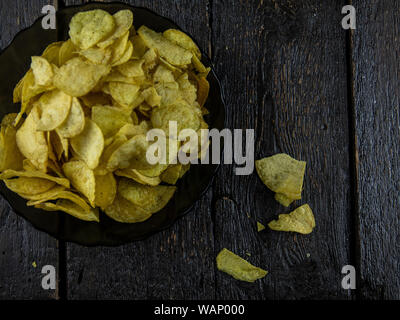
(283, 70)
(20, 243)
(377, 125)
(174, 264)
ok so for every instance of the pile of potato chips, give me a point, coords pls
(79, 140)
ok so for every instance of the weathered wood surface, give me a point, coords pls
(20, 243)
(283, 69)
(376, 63)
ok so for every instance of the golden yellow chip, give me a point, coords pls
(82, 178)
(42, 71)
(32, 143)
(127, 54)
(151, 97)
(171, 174)
(119, 47)
(124, 93)
(106, 189)
(138, 177)
(109, 119)
(89, 144)
(27, 185)
(10, 156)
(71, 208)
(203, 88)
(88, 28)
(260, 226)
(237, 267)
(283, 200)
(74, 124)
(150, 199)
(182, 39)
(54, 107)
(139, 47)
(300, 220)
(9, 173)
(97, 55)
(173, 53)
(124, 211)
(77, 77)
(51, 53)
(123, 22)
(282, 174)
(67, 52)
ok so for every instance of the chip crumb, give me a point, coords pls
(260, 226)
(308, 255)
(34, 264)
(237, 267)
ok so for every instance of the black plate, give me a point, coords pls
(15, 61)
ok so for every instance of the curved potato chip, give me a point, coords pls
(171, 174)
(82, 178)
(88, 28)
(283, 200)
(182, 39)
(51, 53)
(10, 155)
(155, 171)
(127, 54)
(119, 47)
(282, 174)
(173, 53)
(32, 143)
(95, 98)
(109, 119)
(27, 185)
(106, 189)
(138, 177)
(97, 55)
(123, 22)
(75, 121)
(139, 47)
(70, 208)
(77, 77)
(151, 97)
(122, 210)
(124, 93)
(67, 52)
(7, 174)
(54, 107)
(180, 112)
(237, 267)
(132, 68)
(203, 88)
(300, 220)
(131, 154)
(42, 71)
(149, 198)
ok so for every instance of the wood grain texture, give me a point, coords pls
(376, 60)
(283, 70)
(175, 264)
(20, 243)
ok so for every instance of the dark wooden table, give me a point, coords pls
(309, 89)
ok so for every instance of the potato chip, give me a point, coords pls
(300, 220)
(173, 53)
(139, 47)
(151, 97)
(42, 71)
(150, 59)
(67, 52)
(127, 54)
(138, 177)
(182, 39)
(203, 88)
(59, 145)
(283, 200)
(282, 174)
(51, 53)
(97, 55)
(180, 112)
(154, 171)
(163, 75)
(171, 174)
(71, 208)
(10, 156)
(27, 185)
(89, 28)
(74, 124)
(32, 143)
(131, 154)
(9, 173)
(89, 144)
(124, 211)
(188, 90)
(54, 107)
(132, 68)
(95, 98)
(151, 199)
(237, 267)
(106, 189)
(119, 47)
(77, 77)
(125, 94)
(109, 119)
(123, 22)
(82, 178)
(260, 226)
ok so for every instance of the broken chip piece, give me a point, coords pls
(283, 175)
(260, 226)
(300, 220)
(237, 267)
